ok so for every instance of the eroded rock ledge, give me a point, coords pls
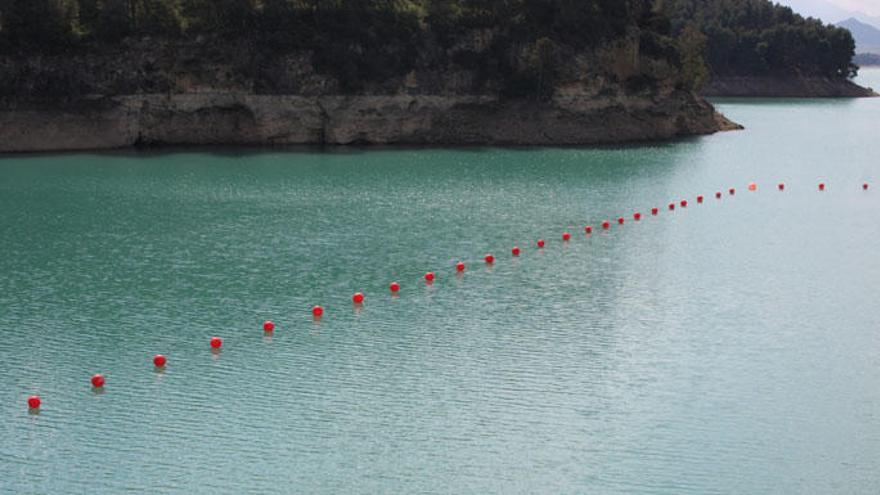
(267, 120)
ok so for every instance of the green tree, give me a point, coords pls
(113, 19)
(48, 23)
(692, 45)
(158, 17)
(748, 37)
(220, 16)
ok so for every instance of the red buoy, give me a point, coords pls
(655, 210)
(429, 277)
(514, 251)
(865, 186)
(357, 298)
(566, 236)
(700, 199)
(606, 225)
(637, 216)
(34, 402)
(718, 195)
(781, 186)
(459, 267)
(216, 342)
(671, 206)
(588, 229)
(98, 380)
(753, 186)
(268, 326)
(159, 361)
(395, 287)
(540, 243)
(732, 191)
(620, 220)
(489, 259)
(317, 311)
(821, 186)
(684, 203)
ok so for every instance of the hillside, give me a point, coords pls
(758, 48)
(89, 74)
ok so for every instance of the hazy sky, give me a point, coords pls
(833, 8)
(870, 7)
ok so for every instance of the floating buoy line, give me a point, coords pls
(98, 380)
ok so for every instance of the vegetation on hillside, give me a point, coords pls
(758, 37)
(356, 41)
(361, 41)
(304, 22)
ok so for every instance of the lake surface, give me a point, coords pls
(729, 347)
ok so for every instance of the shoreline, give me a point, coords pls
(784, 87)
(242, 119)
(342, 149)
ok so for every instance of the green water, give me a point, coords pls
(731, 347)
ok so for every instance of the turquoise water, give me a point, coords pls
(730, 347)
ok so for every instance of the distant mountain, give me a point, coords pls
(820, 9)
(867, 37)
(828, 12)
(863, 59)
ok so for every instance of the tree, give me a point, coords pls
(50, 23)
(114, 19)
(748, 37)
(158, 17)
(692, 45)
(220, 16)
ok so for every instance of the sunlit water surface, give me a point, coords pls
(731, 347)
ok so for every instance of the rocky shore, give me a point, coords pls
(793, 87)
(167, 92)
(271, 120)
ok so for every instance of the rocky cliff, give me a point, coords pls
(152, 92)
(246, 119)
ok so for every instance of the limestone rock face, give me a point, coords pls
(166, 92)
(267, 120)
